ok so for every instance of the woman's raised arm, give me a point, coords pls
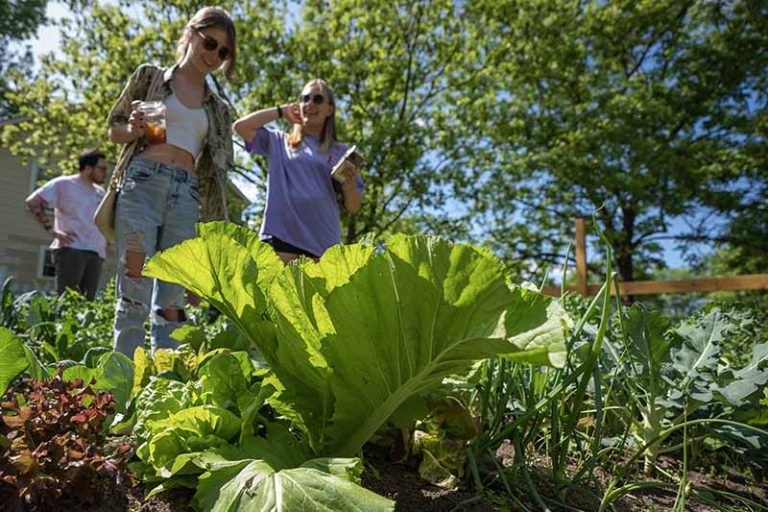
(246, 127)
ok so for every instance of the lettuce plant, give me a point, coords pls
(208, 434)
(349, 339)
(52, 445)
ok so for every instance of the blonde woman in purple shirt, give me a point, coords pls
(302, 215)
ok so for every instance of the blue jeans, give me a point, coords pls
(157, 208)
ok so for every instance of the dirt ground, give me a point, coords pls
(402, 484)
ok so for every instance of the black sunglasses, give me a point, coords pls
(210, 44)
(317, 99)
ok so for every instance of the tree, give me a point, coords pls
(18, 21)
(639, 111)
(392, 67)
(489, 121)
(66, 105)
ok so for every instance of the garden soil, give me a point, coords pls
(402, 484)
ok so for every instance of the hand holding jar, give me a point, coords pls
(154, 119)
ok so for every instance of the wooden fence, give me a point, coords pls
(703, 284)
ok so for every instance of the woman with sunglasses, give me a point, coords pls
(168, 184)
(302, 216)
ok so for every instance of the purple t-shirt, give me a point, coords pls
(302, 208)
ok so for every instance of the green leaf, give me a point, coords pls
(117, 375)
(407, 318)
(335, 268)
(222, 382)
(81, 372)
(143, 369)
(190, 335)
(170, 425)
(648, 345)
(159, 400)
(257, 486)
(758, 361)
(201, 421)
(163, 448)
(51, 351)
(412, 409)
(211, 483)
(748, 381)
(753, 438)
(226, 265)
(443, 458)
(232, 338)
(249, 409)
(347, 469)
(700, 350)
(359, 333)
(36, 369)
(13, 360)
(312, 490)
(92, 355)
(182, 361)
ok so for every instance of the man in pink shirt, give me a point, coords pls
(78, 246)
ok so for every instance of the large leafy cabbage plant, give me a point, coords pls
(350, 338)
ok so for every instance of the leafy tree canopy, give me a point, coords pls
(390, 69)
(641, 111)
(18, 21)
(490, 121)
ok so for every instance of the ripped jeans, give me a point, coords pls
(157, 208)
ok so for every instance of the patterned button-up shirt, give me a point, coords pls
(217, 156)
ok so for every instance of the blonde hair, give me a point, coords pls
(328, 133)
(210, 17)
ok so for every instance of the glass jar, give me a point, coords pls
(154, 118)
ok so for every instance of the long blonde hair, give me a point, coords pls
(210, 17)
(328, 133)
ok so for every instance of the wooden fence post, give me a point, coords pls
(581, 257)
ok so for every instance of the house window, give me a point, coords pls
(45, 267)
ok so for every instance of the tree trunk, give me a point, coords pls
(625, 248)
(624, 262)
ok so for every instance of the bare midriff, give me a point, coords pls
(170, 155)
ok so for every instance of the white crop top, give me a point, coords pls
(185, 127)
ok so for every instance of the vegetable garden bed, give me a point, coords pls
(353, 383)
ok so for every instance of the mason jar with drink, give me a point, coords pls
(154, 118)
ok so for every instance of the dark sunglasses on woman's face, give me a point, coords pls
(317, 99)
(210, 44)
